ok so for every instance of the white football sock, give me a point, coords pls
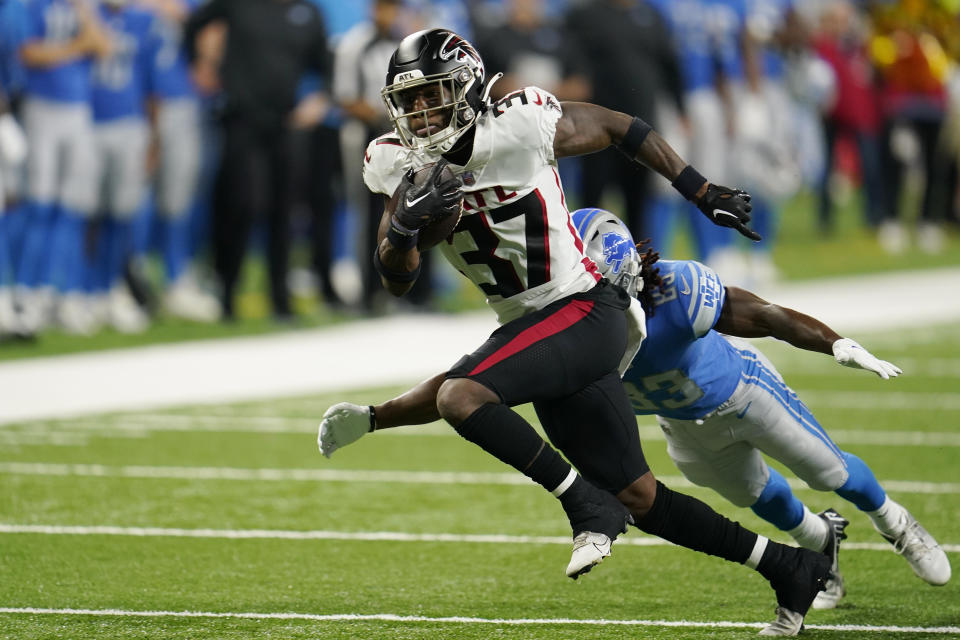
(888, 517)
(812, 532)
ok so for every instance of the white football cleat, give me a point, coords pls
(919, 548)
(74, 315)
(589, 550)
(185, 299)
(829, 597)
(788, 623)
(125, 315)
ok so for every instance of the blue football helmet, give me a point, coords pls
(608, 242)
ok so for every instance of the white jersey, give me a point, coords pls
(515, 239)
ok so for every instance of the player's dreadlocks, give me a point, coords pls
(650, 274)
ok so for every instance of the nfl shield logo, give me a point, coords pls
(468, 178)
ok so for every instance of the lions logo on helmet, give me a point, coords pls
(616, 249)
(608, 243)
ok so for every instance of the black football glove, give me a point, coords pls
(419, 205)
(728, 208)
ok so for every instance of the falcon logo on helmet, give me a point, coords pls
(462, 51)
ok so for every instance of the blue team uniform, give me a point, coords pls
(55, 21)
(121, 82)
(683, 369)
(170, 69)
(720, 404)
(705, 32)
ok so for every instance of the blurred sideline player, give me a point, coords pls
(565, 332)
(705, 33)
(122, 137)
(719, 401)
(62, 38)
(178, 132)
(13, 151)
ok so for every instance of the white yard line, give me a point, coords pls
(458, 620)
(359, 475)
(358, 536)
(352, 356)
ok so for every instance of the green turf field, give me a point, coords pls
(224, 522)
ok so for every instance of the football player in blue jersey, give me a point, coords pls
(121, 135)
(179, 133)
(720, 402)
(60, 41)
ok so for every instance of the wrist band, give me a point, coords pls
(399, 237)
(373, 419)
(689, 182)
(634, 137)
(391, 274)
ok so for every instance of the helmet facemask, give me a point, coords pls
(438, 94)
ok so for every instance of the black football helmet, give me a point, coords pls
(448, 71)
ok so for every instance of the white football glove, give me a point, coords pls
(850, 354)
(342, 424)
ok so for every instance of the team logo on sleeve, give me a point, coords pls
(616, 249)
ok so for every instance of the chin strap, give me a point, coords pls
(485, 96)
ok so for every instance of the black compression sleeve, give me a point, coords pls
(634, 137)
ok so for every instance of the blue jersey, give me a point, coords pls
(170, 70)
(121, 81)
(56, 22)
(705, 33)
(684, 368)
(13, 29)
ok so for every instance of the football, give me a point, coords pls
(439, 230)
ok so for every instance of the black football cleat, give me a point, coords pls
(597, 518)
(836, 589)
(800, 576)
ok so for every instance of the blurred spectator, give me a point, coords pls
(630, 60)
(361, 57)
(61, 40)
(178, 136)
(765, 131)
(908, 52)
(532, 49)
(854, 114)
(270, 44)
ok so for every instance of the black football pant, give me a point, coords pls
(253, 180)
(564, 360)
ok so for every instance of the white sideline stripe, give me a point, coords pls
(392, 617)
(362, 536)
(360, 475)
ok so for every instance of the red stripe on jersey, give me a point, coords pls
(565, 317)
(546, 235)
(591, 268)
(556, 176)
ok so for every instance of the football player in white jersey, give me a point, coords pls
(720, 403)
(565, 332)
